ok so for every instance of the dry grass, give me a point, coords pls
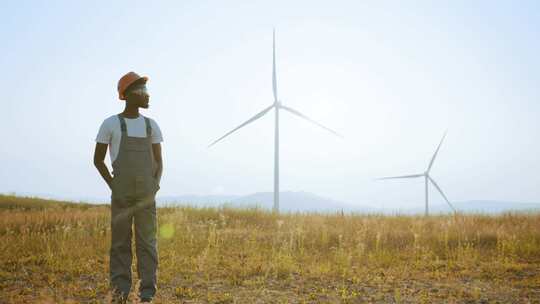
(54, 252)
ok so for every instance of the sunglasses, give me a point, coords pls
(139, 91)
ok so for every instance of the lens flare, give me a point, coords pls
(166, 231)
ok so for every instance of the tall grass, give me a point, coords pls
(224, 255)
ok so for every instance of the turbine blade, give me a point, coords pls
(441, 192)
(402, 176)
(274, 77)
(297, 113)
(252, 119)
(436, 152)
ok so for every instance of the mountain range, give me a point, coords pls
(292, 201)
(300, 201)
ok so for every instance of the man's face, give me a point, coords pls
(138, 96)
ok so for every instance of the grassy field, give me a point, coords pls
(57, 252)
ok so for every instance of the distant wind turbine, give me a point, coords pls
(277, 105)
(426, 178)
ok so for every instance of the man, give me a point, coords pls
(135, 152)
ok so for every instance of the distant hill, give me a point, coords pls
(290, 201)
(481, 206)
(293, 201)
(12, 202)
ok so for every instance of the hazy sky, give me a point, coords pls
(390, 76)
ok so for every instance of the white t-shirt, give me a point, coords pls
(110, 132)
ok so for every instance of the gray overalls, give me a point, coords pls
(133, 200)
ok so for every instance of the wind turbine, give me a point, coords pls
(427, 177)
(277, 105)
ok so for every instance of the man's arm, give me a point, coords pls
(157, 156)
(99, 162)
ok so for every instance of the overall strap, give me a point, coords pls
(122, 124)
(148, 127)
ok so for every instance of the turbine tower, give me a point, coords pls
(277, 105)
(427, 178)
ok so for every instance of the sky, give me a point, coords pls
(391, 76)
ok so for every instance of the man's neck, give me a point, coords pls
(131, 112)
